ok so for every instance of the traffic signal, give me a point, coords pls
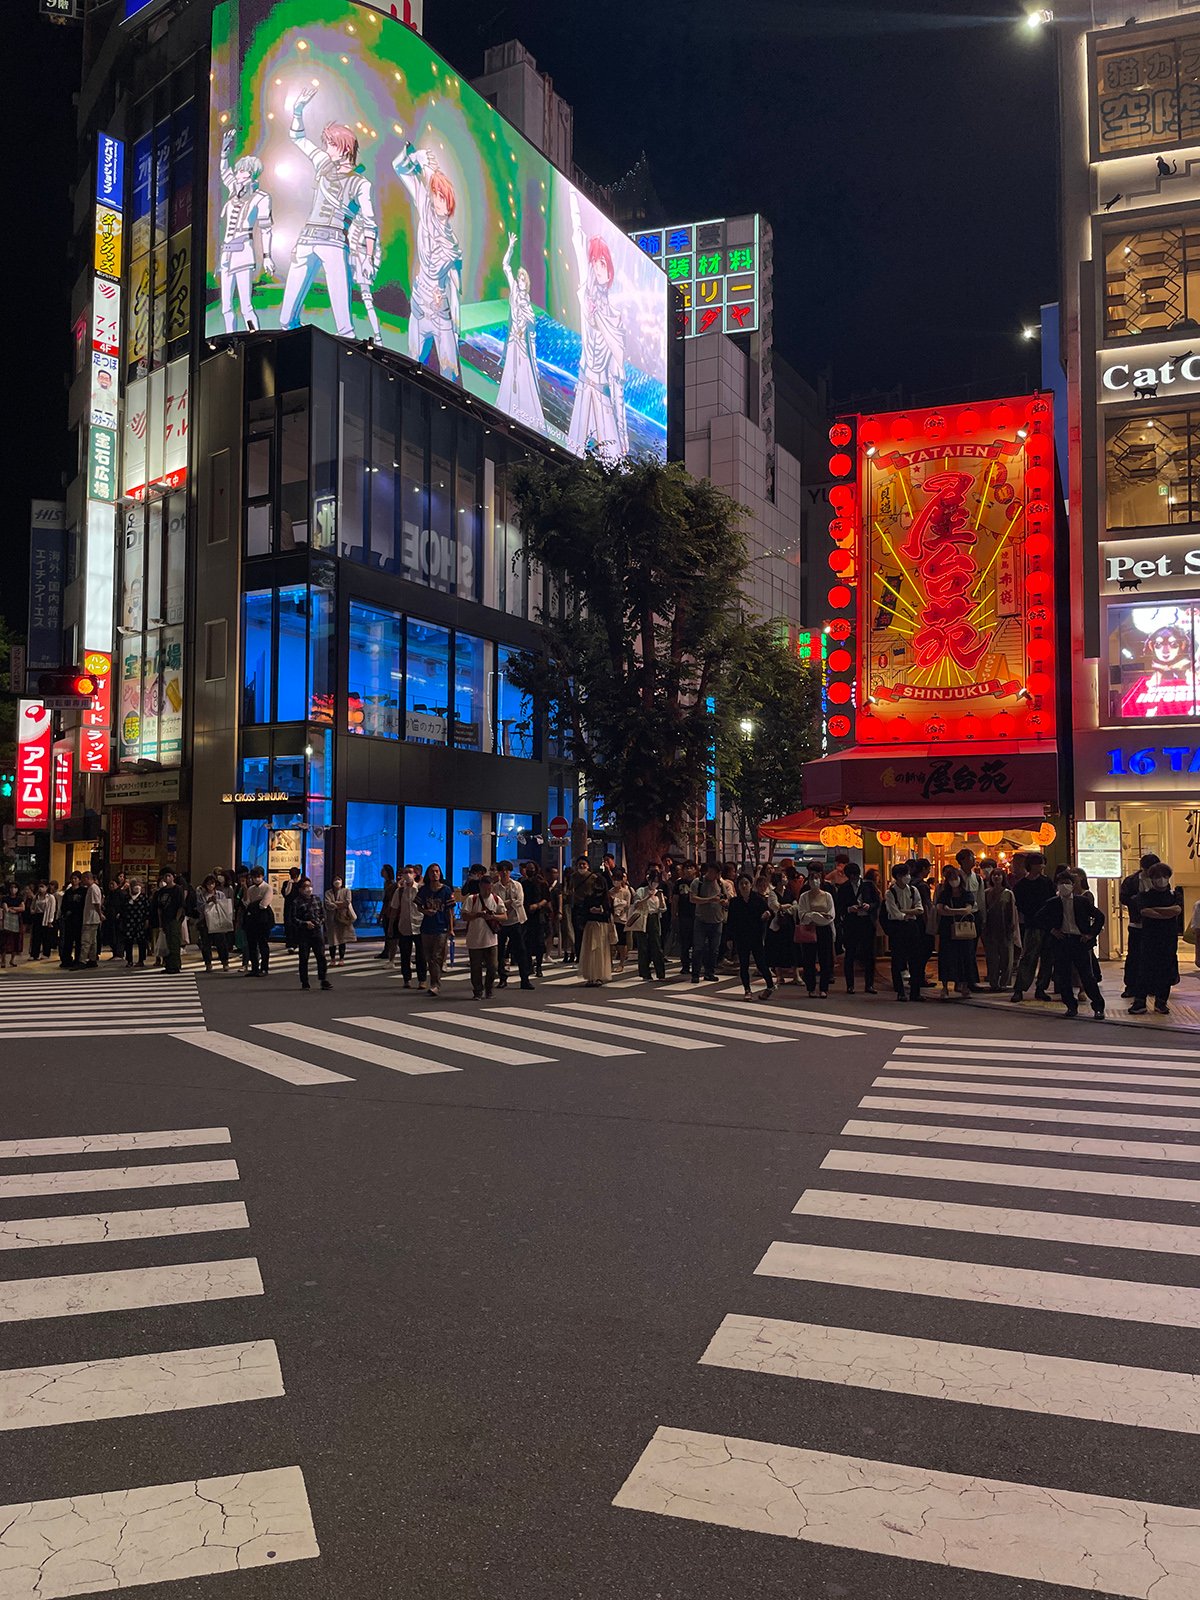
(8, 782)
(67, 689)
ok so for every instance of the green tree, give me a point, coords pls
(779, 701)
(646, 645)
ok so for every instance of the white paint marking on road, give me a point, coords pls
(1001, 1175)
(106, 1227)
(982, 1068)
(1109, 1233)
(620, 1029)
(498, 1025)
(758, 1016)
(14, 1185)
(669, 1020)
(84, 1294)
(139, 1386)
(821, 1008)
(1030, 1091)
(167, 1025)
(1081, 1046)
(249, 1053)
(95, 1143)
(1017, 1380)
(90, 1543)
(1010, 1113)
(1163, 1304)
(1099, 1066)
(440, 1035)
(1020, 1530)
(1002, 1139)
(360, 1049)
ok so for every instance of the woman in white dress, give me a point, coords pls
(519, 395)
(595, 955)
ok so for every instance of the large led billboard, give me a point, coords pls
(954, 535)
(1152, 655)
(358, 184)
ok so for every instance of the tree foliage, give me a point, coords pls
(648, 653)
(781, 697)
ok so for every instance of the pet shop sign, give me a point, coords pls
(1151, 566)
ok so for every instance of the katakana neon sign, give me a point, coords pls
(717, 269)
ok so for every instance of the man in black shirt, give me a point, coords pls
(71, 917)
(1031, 893)
(166, 914)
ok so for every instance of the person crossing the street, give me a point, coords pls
(308, 921)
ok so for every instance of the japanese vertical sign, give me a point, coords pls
(47, 562)
(955, 525)
(34, 744)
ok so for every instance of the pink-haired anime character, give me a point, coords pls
(598, 415)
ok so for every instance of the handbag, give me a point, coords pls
(963, 929)
(218, 916)
(805, 933)
(12, 921)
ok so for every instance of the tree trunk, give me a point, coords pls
(643, 843)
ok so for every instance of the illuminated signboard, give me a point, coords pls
(1098, 848)
(1153, 671)
(34, 744)
(715, 266)
(1150, 566)
(952, 536)
(358, 184)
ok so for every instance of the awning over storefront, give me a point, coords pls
(915, 821)
(802, 827)
(960, 783)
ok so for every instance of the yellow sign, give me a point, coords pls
(108, 242)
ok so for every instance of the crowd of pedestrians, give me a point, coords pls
(788, 923)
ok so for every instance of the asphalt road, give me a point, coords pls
(489, 1290)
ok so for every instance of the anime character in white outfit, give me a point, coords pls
(341, 230)
(519, 395)
(434, 319)
(247, 215)
(598, 415)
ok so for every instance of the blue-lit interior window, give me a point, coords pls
(256, 774)
(293, 654)
(259, 657)
(467, 845)
(253, 852)
(514, 710)
(427, 682)
(470, 691)
(370, 845)
(320, 651)
(287, 775)
(375, 672)
(513, 842)
(424, 836)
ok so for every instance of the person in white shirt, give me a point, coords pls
(815, 910)
(259, 920)
(408, 927)
(622, 900)
(512, 935)
(904, 911)
(483, 912)
(93, 916)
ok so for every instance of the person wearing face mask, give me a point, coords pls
(955, 906)
(340, 917)
(815, 916)
(1070, 923)
(1159, 909)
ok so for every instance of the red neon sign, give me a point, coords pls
(34, 741)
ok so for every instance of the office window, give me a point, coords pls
(293, 470)
(470, 691)
(1152, 470)
(375, 672)
(427, 682)
(255, 775)
(385, 468)
(467, 509)
(293, 654)
(370, 845)
(258, 658)
(514, 710)
(320, 642)
(424, 836)
(467, 845)
(352, 507)
(216, 645)
(1145, 94)
(254, 835)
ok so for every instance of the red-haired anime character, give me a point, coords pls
(433, 320)
(598, 414)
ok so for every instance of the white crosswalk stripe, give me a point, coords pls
(104, 1002)
(361, 1049)
(894, 1255)
(97, 1542)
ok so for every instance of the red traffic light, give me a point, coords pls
(83, 683)
(67, 689)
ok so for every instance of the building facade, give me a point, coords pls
(311, 349)
(1130, 180)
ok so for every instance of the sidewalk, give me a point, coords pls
(1185, 1002)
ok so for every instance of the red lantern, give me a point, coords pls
(868, 432)
(901, 426)
(1038, 585)
(1038, 409)
(935, 424)
(842, 496)
(841, 434)
(839, 726)
(839, 692)
(840, 465)
(840, 661)
(840, 597)
(968, 421)
(1000, 417)
(841, 528)
(840, 560)
(839, 628)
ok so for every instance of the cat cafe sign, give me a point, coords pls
(1133, 567)
(1151, 372)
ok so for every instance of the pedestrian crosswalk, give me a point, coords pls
(915, 1238)
(223, 1519)
(614, 1026)
(93, 1003)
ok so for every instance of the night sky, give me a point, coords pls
(905, 157)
